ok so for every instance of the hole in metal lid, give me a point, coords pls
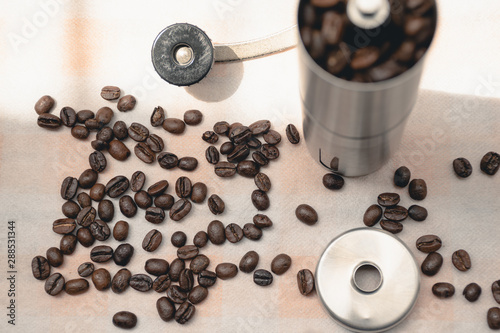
(367, 277)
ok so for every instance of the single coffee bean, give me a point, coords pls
(226, 271)
(84, 115)
(92, 125)
(63, 226)
(212, 155)
(216, 204)
(141, 282)
(418, 189)
(44, 104)
(101, 253)
(225, 169)
(490, 163)
(239, 153)
(186, 280)
(84, 200)
(174, 125)
(155, 143)
(391, 226)
(110, 93)
(183, 187)
(210, 137)
(123, 254)
(117, 186)
(260, 127)
(127, 206)
(226, 148)
(260, 200)
(106, 210)
(161, 283)
(417, 213)
(240, 134)
(272, 137)
(104, 115)
(388, 199)
(164, 201)
(97, 192)
(124, 319)
(199, 192)
(254, 143)
(443, 290)
(156, 266)
(292, 134)
(176, 268)
(158, 188)
(68, 116)
(54, 257)
(69, 187)
(144, 153)
(216, 232)
(281, 263)
(248, 168)
(234, 233)
(259, 158)
(126, 103)
(188, 163)
(121, 281)
(157, 117)
(68, 244)
(54, 284)
(118, 150)
(262, 181)
(137, 181)
(198, 294)
(402, 176)
(462, 167)
(333, 181)
(87, 179)
(70, 209)
(86, 269)
(143, 199)
(396, 213)
(472, 292)
(262, 277)
(76, 286)
(305, 281)
(101, 279)
(165, 308)
(495, 289)
(138, 132)
(306, 214)
(178, 239)
(99, 145)
(207, 278)
(152, 240)
(252, 232)
(221, 127)
(200, 239)
(180, 209)
(249, 262)
(461, 260)
(270, 152)
(199, 263)
(176, 295)
(97, 161)
(187, 252)
(120, 130)
(193, 117)
(493, 318)
(184, 313)
(100, 230)
(428, 243)
(40, 268)
(262, 221)
(50, 121)
(432, 264)
(85, 237)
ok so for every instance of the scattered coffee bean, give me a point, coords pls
(262, 277)
(117, 186)
(164, 201)
(417, 213)
(100, 230)
(144, 153)
(141, 282)
(156, 266)
(104, 116)
(193, 117)
(176, 268)
(97, 192)
(262, 221)
(63, 226)
(40, 268)
(305, 281)
(306, 214)
(216, 204)
(388, 199)
(234, 233)
(101, 253)
(155, 143)
(54, 257)
(123, 254)
(200, 239)
(176, 295)
(391, 226)
(239, 153)
(101, 279)
(199, 192)
(99, 145)
(495, 289)
(251, 231)
(124, 319)
(143, 199)
(54, 284)
(92, 125)
(183, 187)
(281, 263)
(207, 278)
(84, 115)
(225, 169)
(198, 294)
(493, 318)
(461, 260)
(187, 252)
(174, 125)
(87, 179)
(210, 137)
(240, 134)
(69, 187)
(396, 213)
(126, 103)
(157, 117)
(270, 152)
(161, 283)
(249, 262)
(292, 134)
(221, 127)
(70, 209)
(260, 127)
(85, 237)
(118, 150)
(199, 263)
(184, 313)
(216, 232)
(188, 163)
(333, 181)
(127, 206)
(110, 93)
(490, 163)
(84, 200)
(178, 239)
(138, 132)
(462, 167)
(443, 290)
(248, 168)
(179, 210)
(50, 121)
(402, 176)
(86, 269)
(227, 148)
(428, 243)
(418, 189)
(372, 215)
(105, 134)
(260, 200)
(226, 271)
(106, 210)
(76, 286)
(68, 244)
(68, 116)
(472, 292)
(432, 264)
(165, 308)
(137, 181)
(120, 130)
(272, 137)
(186, 280)
(158, 188)
(212, 155)
(44, 104)
(152, 240)
(254, 143)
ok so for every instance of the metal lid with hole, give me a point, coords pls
(389, 301)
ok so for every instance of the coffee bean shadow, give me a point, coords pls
(221, 82)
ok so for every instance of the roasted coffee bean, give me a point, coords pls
(63, 226)
(161, 283)
(364, 57)
(193, 117)
(124, 319)
(260, 127)
(188, 163)
(495, 289)
(180, 209)
(176, 295)
(152, 240)
(225, 169)
(240, 134)
(54, 257)
(104, 115)
(164, 201)
(101, 253)
(417, 213)
(100, 230)
(391, 226)
(490, 163)
(332, 27)
(123, 254)
(50, 121)
(388, 199)
(254, 143)
(212, 155)
(157, 117)
(493, 318)
(68, 116)
(198, 192)
(461, 260)
(97, 192)
(84, 115)
(186, 280)
(226, 271)
(138, 132)
(292, 134)
(462, 167)
(92, 125)
(183, 187)
(239, 153)
(200, 239)
(85, 237)
(428, 243)
(105, 134)
(262, 277)
(141, 282)
(69, 187)
(158, 188)
(118, 150)
(144, 153)
(187, 252)
(178, 239)
(432, 264)
(106, 210)
(281, 263)
(120, 130)
(155, 143)
(402, 176)
(126, 103)
(84, 200)
(443, 290)
(156, 266)
(216, 232)
(262, 221)
(110, 93)
(99, 145)
(226, 148)
(234, 233)
(262, 181)
(86, 269)
(252, 232)
(270, 152)
(198, 294)
(44, 104)
(87, 179)
(333, 181)
(184, 313)
(199, 263)
(117, 186)
(272, 137)
(306, 214)
(259, 158)
(176, 268)
(221, 127)
(76, 286)
(210, 137)
(167, 160)
(260, 200)
(207, 278)
(101, 279)
(396, 213)
(472, 292)
(216, 204)
(97, 161)
(143, 199)
(137, 181)
(70, 209)
(165, 308)
(128, 206)
(174, 125)
(305, 281)
(40, 268)
(68, 244)
(249, 262)
(417, 189)
(248, 168)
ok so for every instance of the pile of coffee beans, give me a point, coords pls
(366, 55)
